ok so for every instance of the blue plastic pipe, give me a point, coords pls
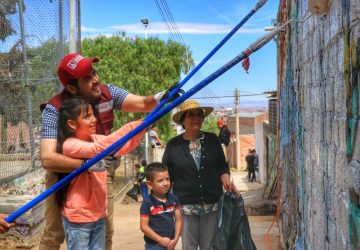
(121, 142)
(197, 67)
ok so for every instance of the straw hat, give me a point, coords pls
(188, 105)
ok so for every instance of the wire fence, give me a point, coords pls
(35, 35)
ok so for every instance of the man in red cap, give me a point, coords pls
(79, 78)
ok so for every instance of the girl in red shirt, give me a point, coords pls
(83, 201)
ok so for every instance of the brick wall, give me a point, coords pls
(29, 226)
(318, 94)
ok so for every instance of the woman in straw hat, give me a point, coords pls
(198, 171)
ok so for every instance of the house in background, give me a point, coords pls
(248, 123)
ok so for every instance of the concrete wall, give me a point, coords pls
(16, 194)
(260, 147)
(246, 125)
(251, 136)
(246, 142)
(318, 98)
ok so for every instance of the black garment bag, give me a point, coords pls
(232, 225)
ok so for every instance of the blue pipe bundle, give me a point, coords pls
(157, 113)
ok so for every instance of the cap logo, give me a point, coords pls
(73, 63)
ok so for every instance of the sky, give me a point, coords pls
(202, 25)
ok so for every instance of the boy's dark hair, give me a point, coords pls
(143, 163)
(154, 168)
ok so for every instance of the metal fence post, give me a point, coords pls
(27, 83)
(125, 170)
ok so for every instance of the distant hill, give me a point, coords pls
(253, 104)
(245, 105)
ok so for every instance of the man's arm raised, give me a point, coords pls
(136, 103)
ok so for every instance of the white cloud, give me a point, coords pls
(90, 29)
(221, 16)
(184, 28)
(96, 34)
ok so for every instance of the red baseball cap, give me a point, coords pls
(74, 66)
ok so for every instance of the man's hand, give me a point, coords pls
(102, 165)
(163, 94)
(4, 226)
(159, 96)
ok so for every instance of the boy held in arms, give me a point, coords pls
(160, 217)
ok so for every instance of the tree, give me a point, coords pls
(7, 7)
(43, 61)
(40, 65)
(140, 66)
(210, 124)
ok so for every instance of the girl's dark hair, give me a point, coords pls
(69, 110)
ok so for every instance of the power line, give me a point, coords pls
(174, 31)
(164, 19)
(227, 96)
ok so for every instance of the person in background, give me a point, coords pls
(143, 187)
(137, 180)
(135, 190)
(5, 226)
(224, 136)
(250, 159)
(79, 78)
(254, 165)
(160, 217)
(154, 137)
(83, 201)
(249, 163)
(224, 133)
(198, 172)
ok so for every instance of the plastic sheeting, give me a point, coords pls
(232, 227)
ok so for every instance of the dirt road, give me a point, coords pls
(129, 237)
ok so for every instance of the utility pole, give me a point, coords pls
(145, 22)
(237, 114)
(72, 35)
